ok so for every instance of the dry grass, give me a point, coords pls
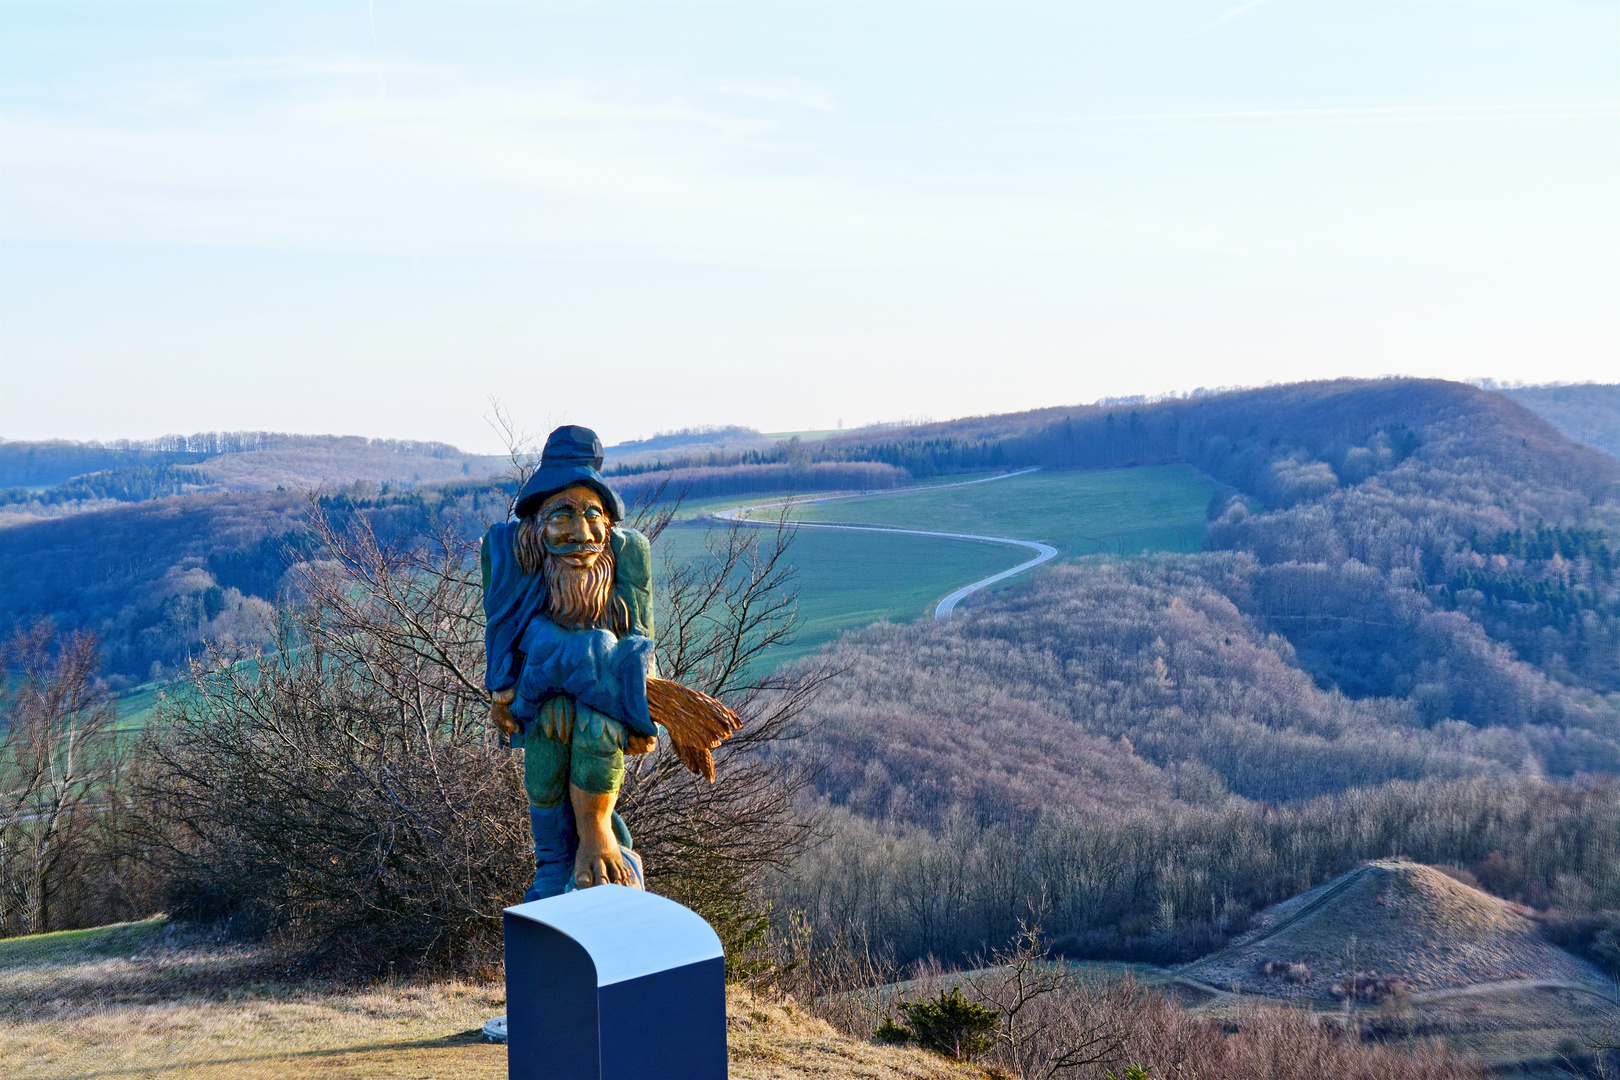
(148, 1000)
(151, 1000)
(777, 1041)
(268, 1031)
(1270, 1042)
(1433, 958)
(1511, 1026)
(1519, 1028)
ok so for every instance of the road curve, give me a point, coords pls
(943, 610)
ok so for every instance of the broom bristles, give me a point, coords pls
(696, 722)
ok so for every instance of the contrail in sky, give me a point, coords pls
(1350, 114)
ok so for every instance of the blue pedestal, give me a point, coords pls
(610, 983)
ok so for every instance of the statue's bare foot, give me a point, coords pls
(601, 864)
(600, 860)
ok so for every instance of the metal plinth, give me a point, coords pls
(610, 983)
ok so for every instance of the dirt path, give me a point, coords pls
(1245, 940)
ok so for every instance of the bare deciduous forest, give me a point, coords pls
(1405, 643)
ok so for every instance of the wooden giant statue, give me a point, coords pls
(569, 650)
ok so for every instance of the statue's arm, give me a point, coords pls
(607, 673)
(632, 557)
(632, 578)
(499, 677)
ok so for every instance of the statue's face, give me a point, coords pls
(574, 526)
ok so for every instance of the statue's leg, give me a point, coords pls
(596, 773)
(546, 763)
(555, 847)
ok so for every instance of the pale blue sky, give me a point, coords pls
(371, 218)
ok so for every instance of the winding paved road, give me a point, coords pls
(943, 610)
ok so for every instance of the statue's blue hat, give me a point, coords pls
(573, 455)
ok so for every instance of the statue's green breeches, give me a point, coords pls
(591, 760)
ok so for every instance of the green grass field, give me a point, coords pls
(693, 509)
(99, 941)
(135, 706)
(851, 579)
(848, 580)
(1101, 511)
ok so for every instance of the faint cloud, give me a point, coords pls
(785, 91)
(1228, 15)
(1241, 9)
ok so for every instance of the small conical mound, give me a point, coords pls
(1383, 927)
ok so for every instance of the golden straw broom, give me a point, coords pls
(696, 722)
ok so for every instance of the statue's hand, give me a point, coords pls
(500, 711)
(557, 724)
(639, 744)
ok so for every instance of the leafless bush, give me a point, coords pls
(1289, 972)
(57, 758)
(841, 977)
(1367, 986)
(1049, 1022)
(1052, 1023)
(1269, 1043)
(344, 790)
(1601, 1044)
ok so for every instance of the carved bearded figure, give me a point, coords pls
(569, 665)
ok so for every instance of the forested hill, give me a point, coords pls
(1359, 499)
(1356, 496)
(56, 479)
(1587, 412)
(1281, 444)
(38, 464)
(1406, 640)
(158, 578)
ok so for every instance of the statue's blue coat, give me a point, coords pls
(595, 667)
(511, 599)
(526, 650)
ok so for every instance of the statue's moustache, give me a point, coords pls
(571, 549)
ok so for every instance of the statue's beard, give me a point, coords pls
(577, 598)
